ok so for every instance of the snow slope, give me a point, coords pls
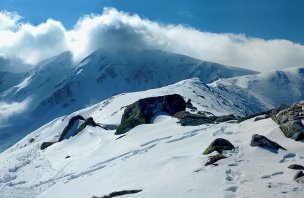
(163, 159)
(8, 79)
(273, 88)
(58, 86)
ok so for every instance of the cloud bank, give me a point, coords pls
(115, 29)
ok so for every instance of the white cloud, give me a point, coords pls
(118, 29)
(8, 20)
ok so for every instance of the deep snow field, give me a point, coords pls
(163, 159)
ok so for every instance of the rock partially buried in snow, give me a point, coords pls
(189, 119)
(214, 158)
(143, 110)
(119, 193)
(219, 145)
(75, 125)
(263, 142)
(299, 177)
(296, 167)
(44, 145)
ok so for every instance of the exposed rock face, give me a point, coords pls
(44, 145)
(214, 158)
(72, 129)
(225, 118)
(72, 121)
(299, 177)
(142, 111)
(263, 142)
(189, 119)
(218, 145)
(290, 121)
(296, 167)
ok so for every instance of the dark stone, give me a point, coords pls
(189, 105)
(214, 158)
(44, 145)
(31, 140)
(219, 145)
(119, 193)
(299, 177)
(296, 167)
(142, 111)
(90, 121)
(225, 118)
(69, 126)
(189, 119)
(263, 142)
(67, 157)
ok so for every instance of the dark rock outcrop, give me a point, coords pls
(44, 145)
(119, 193)
(189, 119)
(142, 111)
(296, 167)
(299, 177)
(219, 145)
(66, 133)
(214, 158)
(71, 122)
(263, 142)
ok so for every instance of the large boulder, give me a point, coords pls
(189, 119)
(143, 110)
(293, 129)
(263, 142)
(291, 121)
(219, 145)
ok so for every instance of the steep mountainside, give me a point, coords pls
(57, 86)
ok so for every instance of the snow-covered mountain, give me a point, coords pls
(273, 88)
(8, 79)
(57, 86)
(160, 159)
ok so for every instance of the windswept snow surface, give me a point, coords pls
(163, 159)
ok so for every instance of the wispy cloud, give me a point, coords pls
(117, 29)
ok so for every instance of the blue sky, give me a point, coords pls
(260, 35)
(268, 19)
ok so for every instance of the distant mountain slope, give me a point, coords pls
(8, 79)
(57, 86)
(273, 88)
